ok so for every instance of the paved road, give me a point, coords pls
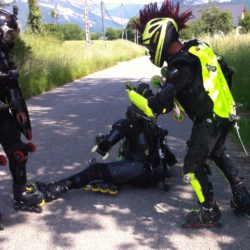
(65, 122)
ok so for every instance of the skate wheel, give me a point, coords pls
(19, 156)
(31, 147)
(104, 190)
(87, 188)
(42, 203)
(95, 189)
(113, 191)
(29, 188)
(3, 160)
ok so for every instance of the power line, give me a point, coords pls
(110, 17)
(86, 22)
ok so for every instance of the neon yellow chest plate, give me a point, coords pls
(214, 81)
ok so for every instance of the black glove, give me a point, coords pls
(99, 138)
(144, 90)
(103, 148)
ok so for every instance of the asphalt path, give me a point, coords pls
(65, 122)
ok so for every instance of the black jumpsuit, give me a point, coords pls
(209, 132)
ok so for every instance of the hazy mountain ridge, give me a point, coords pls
(115, 16)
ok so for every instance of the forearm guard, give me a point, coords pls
(15, 98)
(163, 102)
(116, 134)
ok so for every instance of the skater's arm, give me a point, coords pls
(118, 132)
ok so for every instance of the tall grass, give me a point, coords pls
(236, 51)
(52, 63)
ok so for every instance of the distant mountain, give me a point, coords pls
(115, 15)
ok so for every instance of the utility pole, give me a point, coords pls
(86, 22)
(121, 22)
(103, 29)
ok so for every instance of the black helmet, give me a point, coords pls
(157, 36)
(9, 29)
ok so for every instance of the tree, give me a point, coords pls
(194, 29)
(34, 18)
(72, 32)
(215, 20)
(68, 31)
(131, 31)
(113, 34)
(245, 23)
(95, 35)
(54, 15)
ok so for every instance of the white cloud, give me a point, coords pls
(203, 1)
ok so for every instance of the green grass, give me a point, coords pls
(236, 51)
(52, 63)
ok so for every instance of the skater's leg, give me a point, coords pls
(94, 172)
(203, 139)
(114, 173)
(17, 153)
(240, 201)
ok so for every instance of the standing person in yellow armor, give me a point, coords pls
(199, 82)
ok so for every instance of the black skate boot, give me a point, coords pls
(240, 201)
(203, 217)
(28, 198)
(101, 187)
(52, 191)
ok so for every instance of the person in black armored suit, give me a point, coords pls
(200, 81)
(144, 158)
(14, 117)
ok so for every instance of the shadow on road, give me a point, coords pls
(65, 122)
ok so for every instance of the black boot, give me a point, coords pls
(51, 191)
(240, 201)
(27, 198)
(205, 216)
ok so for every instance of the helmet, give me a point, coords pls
(157, 36)
(9, 30)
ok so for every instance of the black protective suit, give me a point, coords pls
(140, 163)
(209, 132)
(14, 116)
